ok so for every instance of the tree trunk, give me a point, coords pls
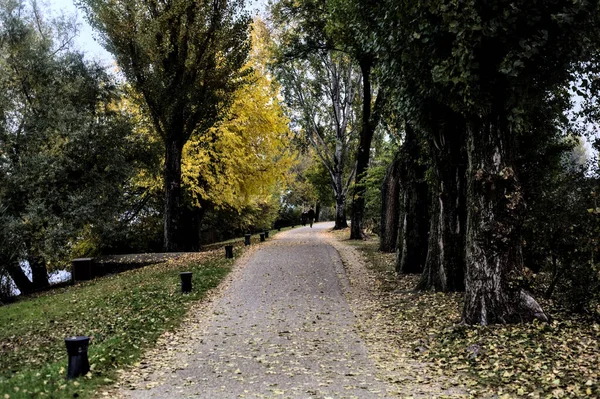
(362, 155)
(191, 228)
(400, 234)
(390, 207)
(317, 211)
(173, 196)
(413, 247)
(19, 278)
(493, 240)
(340, 213)
(39, 272)
(444, 268)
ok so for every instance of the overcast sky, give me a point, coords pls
(85, 40)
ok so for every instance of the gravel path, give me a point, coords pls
(281, 329)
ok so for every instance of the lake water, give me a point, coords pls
(55, 277)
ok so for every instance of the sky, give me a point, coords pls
(85, 40)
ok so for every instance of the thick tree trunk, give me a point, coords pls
(444, 268)
(415, 222)
(493, 240)
(173, 196)
(362, 155)
(431, 272)
(317, 211)
(390, 207)
(414, 229)
(340, 213)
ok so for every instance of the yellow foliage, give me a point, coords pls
(244, 158)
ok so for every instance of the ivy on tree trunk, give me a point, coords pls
(493, 241)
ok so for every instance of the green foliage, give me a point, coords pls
(240, 163)
(256, 216)
(66, 151)
(300, 192)
(301, 39)
(185, 59)
(561, 236)
(384, 148)
(350, 24)
(473, 56)
(124, 314)
(185, 62)
(318, 177)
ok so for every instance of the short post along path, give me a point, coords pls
(281, 328)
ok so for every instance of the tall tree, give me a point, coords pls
(240, 162)
(64, 147)
(488, 62)
(343, 26)
(350, 25)
(321, 91)
(185, 58)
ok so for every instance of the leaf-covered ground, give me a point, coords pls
(124, 314)
(559, 359)
(280, 328)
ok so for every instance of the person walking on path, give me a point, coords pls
(283, 328)
(311, 216)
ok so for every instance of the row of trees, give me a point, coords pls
(479, 93)
(467, 101)
(191, 146)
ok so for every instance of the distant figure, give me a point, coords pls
(311, 216)
(304, 218)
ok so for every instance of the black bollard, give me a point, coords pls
(262, 237)
(186, 282)
(247, 239)
(82, 269)
(228, 251)
(77, 348)
(267, 234)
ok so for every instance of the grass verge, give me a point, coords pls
(124, 314)
(560, 359)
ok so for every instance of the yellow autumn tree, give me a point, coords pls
(243, 162)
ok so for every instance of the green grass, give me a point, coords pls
(124, 314)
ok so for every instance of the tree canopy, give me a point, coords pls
(185, 58)
(65, 150)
